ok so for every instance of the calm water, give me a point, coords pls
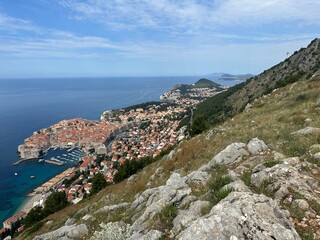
(27, 105)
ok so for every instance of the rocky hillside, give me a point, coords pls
(300, 66)
(256, 176)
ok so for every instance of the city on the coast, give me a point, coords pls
(102, 146)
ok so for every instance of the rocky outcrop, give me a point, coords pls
(185, 217)
(65, 233)
(155, 199)
(242, 216)
(234, 152)
(285, 176)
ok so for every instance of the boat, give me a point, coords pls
(32, 177)
(41, 160)
(16, 174)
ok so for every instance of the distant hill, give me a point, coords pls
(240, 77)
(300, 66)
(206, 83)
(231, 77)
(201, 83)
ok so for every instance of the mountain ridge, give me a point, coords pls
(300, 66)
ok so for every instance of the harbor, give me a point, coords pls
(57, 156)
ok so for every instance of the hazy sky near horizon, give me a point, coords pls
(45, 38)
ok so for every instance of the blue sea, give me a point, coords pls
(27, 105)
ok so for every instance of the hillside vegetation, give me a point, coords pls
(206, 83)
(258, 172)
(298, 67)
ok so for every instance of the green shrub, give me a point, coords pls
(315, 206)
(216, 193)
(246, 177)
(164, 219)
(35, 227)
(98, 183)
(271, 163)
(198, 125)
(55, 202)
(306, 233)
(217, 183)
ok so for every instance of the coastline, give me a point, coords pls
(88, 106)
(28, 204)
(39, 193)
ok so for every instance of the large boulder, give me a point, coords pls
(232, 153)
(242, 215)
(65, 233)
(256, 146)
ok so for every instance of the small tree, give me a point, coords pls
(36, 214)
(198, 125)
(55, 202)
(98, 183)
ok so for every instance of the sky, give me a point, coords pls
(80, 38)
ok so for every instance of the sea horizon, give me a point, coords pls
(29, 104)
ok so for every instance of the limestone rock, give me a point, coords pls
(155, 199)
(111, 231)
(301, 203)
(277, 155)
(82, 212)
(256, 146)
(151, 235)
(237, 186)
(198, 177)
(317, 155)
(242, 216)
(106, 209)
(232, 153)
(284, 176)
(306, 131)
(86, 217)
(175, 181)
(185, 217)
(65, 233)
(70, 222)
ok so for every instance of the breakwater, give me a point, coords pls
(23, 160)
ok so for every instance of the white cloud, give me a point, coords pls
(195, 17)
(10, 24)
(168, 33)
